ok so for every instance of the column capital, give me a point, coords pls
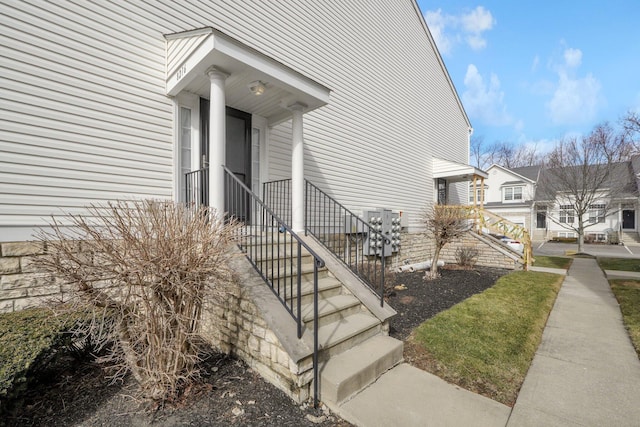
(213, 72)
(297, 106)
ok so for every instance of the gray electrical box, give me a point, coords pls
(387, 225)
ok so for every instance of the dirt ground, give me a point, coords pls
(76, 393)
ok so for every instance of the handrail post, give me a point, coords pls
(299, 286)
(315, 335)
(382, 268)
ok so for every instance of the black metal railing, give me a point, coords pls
(277, 254)
(197, 188)
(277, 195)
(351, 239)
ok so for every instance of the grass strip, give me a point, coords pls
(486, 343)
(553, 262)
(627, 293)
(624, 264)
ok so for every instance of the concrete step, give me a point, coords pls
(285, 264)
(287, 287)
(331, 309)
(328, 286)
(277, 251)
(307, 271)
(267, 238)
(630, 237)
(346, 374)
(341, 335)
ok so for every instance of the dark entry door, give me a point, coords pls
(238, 153)
(628, 219)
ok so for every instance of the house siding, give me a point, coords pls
(86, 118)
(84, 115)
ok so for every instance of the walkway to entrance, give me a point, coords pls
(585, 373)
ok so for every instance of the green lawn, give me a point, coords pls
(625, 264)
(627, 293)
(553, 262)
(486, 343)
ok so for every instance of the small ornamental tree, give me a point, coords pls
(586, 175)
(144, 269)
(444, 223)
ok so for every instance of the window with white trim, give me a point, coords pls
(512, 193)
(184, 143)
(567, 214)
(567, 234)
(480, 195)
(597, 213)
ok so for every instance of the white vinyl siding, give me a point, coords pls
(85, 117)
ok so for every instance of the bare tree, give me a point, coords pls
(582, 176)
(445, 224)
(631, 125)
(477, 154)
(512, 156)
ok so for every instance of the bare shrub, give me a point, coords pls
(144, 269)
(467, 256)
(444, 223)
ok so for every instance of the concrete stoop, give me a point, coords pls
(354, 348)
(630, 238)
(346, 374)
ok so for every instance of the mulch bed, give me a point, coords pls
(76, 393)
(423, 299)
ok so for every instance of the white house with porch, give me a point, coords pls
(516, 195)
(342, 113)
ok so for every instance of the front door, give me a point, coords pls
(238, 151)
(628, 219)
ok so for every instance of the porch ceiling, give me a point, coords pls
(455, 171)
(190, 54)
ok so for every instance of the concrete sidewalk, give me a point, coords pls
(585, 372)
(407, 396)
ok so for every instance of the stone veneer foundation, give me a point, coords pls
(249, 322)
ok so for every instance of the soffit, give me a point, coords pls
(455, 171)
(190, 54)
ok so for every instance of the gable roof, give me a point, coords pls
(528, 173)
(622, 178)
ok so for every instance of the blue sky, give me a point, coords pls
(532, 72)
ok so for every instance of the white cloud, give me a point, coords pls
(575, 99)
(484, 101)
(449, 30)
(478, 20)
(572, 57)
(534, 65)
(475, 23)
(437, 23)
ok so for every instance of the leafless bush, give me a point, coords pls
(444, 223)
(467, 256)
(144, 269)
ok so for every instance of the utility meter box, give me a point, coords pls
(385, 232)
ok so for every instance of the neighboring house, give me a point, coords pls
(518, 195)
(510, 193)
(131, 100)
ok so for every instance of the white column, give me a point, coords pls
(297, 169)
(217, 139)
